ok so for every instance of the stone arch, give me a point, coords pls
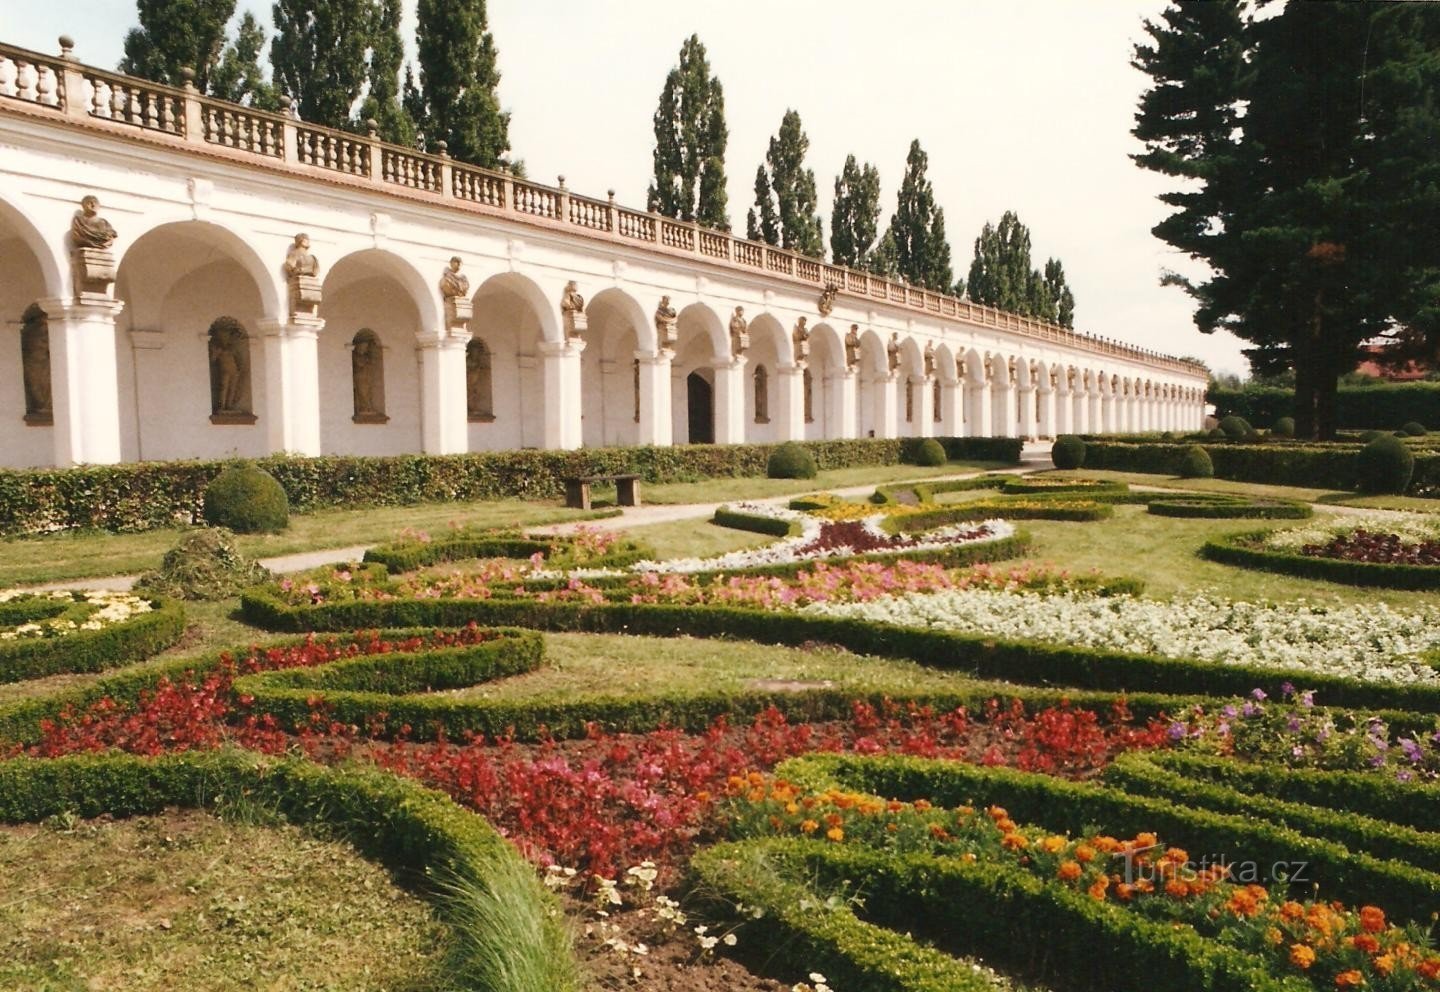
(34, 271)
(770, 348)
(618, 330)
(827, 381)
(911, 400)
(376, 291)
(511, 315)
(703, 344)
(177, 279)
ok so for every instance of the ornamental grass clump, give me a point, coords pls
(791, 461)
(247, 500)
(1385, 465)
(1068, 452)
(1195, 463)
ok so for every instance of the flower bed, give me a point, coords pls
(587, 547)
(74, 630)
(1396, 551)
(1032, 485)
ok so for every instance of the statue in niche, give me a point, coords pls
(35, 366)
(479, 401)
(800, 338)
(88, 229)
(302, 272)
(572, 310)
(827, 299)
(739, 333)
(929, 358)
(665, 318)
(229, 372)
(455, 289)
(91, 237)
(367, 372)
(852, 346)
(892, 352)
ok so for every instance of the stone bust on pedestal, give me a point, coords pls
(91, 237)
(302, 272)
(455, 289)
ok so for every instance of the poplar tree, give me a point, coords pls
(1000, 272)
(239, 78)
(387, 56)
(922, 252)
(174, 35)
(855, 214)
(762, 222)
(690, 139)
(793, 189)
(455, 98)
(1061, 299)
(319, 56)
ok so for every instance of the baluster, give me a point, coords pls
(46, 88)
(8, 73)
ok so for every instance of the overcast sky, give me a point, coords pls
(1022, 105)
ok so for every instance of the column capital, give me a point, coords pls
(298, 326)
(662, 357)
(573, 346)
(63, 307)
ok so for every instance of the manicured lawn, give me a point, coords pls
(1335, 497)
(697, 538)
(67, 556)
(189, 901)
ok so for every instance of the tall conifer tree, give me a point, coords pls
(918, 228)
(690, 139)
(177, 34)
(319, 56)
(855, 214)
(387, 58)
(456, 99)
(793, 189)
(238, 77)
(762, 222)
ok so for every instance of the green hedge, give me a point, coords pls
(925, 492)
(1004, 913)
(1235, 508)
(1022, 508)
(407, 556)
(1048, 486)
(1240, 550)
(1060, 805)
(416, 832)
(754, 522)
(146, 495)
(1022, 662)
(94, 650)
(1383, 406)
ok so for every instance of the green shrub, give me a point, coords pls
(247, 500)
(931, 453)
(1068, 452)
(1377, 405)
(1236, 428)
(1415, 429)
(111, 646)
(205, 565)
(1195, 463)
(1244, 551)
(1385, 466)
(1367, 436)
(1235, 508)
(791, 461)
(1284, 427)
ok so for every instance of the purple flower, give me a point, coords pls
(1307, 698)
(1177, 731)
(1286, 689)
(1250, 709)
(1232, 712)
(1258, 695)
(1403, 776)
(1293, 725)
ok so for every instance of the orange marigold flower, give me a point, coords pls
(939, 832)
(1099, 886)
(1302, 956)
(922, 804)
(1273, 935)
(1106, 844)
(996, 812)
(1372, 919)
(1429, 968)
(1069, 871)
(1085, 854)
(809, 826)
(892, 827)
(1365, 942)
(1243, 903)
(1176, 889)
(1144, 885)
(1053, 844)
(1005, 824)
(1124, 891)
(835, 834)
(1384, 964)
(1146, 840)
(1291, 910)
(1351, 979)
(1014, 842)
(834, 819)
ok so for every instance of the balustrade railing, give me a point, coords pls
(67, 88)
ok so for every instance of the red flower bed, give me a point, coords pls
(860, 539)
(1370, 546)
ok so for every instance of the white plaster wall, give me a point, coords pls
(379, 303)
(510, 328)
(21, 445)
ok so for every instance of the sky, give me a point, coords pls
(1021, 105)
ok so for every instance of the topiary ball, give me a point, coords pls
(1235, 427)
(1068, 451)
(1284, 427)
(791, 461)
(1369, 436)
(1415, 429)
(1215, 432)
(1385, 466)
(247, 500)
(1195, 463)
(930, 453)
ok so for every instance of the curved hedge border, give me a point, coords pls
(757, 523)
(1240, 550)
(413, 831)
(1005, 913)
(1025, 508)
(1042, 486)
(407, 556)
(1357, 877)
(1023, 662)
(1238, 508)
(139, 637)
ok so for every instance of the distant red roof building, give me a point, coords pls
(1373, 367)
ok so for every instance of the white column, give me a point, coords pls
(952, 409)
(925, 408)
(560, 371)
(292, 384)
(84, 380)
(981, 408)
(1080, 419)
(1027, 411)
(1064, 407)
(730, 402)
(444, 416)
(655, 413)
(1003, 415)
(1046, 424)
(840, 393)
(789, 414)
(887, 413)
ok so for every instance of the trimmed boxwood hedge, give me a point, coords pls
(755, 522)
(1061, 805)
(146, 495)
(1023, 508)
(1242, 551)
(407, 556)
(1004, 913)
(1231, 508)
(1022, 662)
(94, 650)
(419, 834)
(1384, 405)
(1046, 486)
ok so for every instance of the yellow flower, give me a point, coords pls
(835, 834)
(1302, 956)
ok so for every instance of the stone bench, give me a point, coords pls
(577, 489)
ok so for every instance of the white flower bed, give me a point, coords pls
(85, 609)
(789, 550)
(1372, 642)
(1411, 528)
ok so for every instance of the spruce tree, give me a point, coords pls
(855, 216)
(387, 56)
(239, 78)
(690, 139)
(174, 35)
(762, 222)
(455, 98)
(917, 228)
(319, 56)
